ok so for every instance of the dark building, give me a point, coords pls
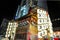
(3, 27)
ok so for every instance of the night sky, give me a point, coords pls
(8, 10)
(54, 11)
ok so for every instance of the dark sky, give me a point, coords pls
(54, 11)
(8, 9)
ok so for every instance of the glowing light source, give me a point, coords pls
(22, 11)
(44, 23)
(39, 34)
(40, 11)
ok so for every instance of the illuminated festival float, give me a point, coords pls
(32, 22)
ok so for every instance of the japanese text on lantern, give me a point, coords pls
(42, 20)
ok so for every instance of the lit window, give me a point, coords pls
(40, 27)
(44, 32)
(40, 11)
(39, 15)
(39, 34)
(47, 20)
(5, 35)
(45, 26)
(40, 20)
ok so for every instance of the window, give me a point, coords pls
(47, 20)
(39, 15)
(40, 20)
(39, 34)
(40, 27)
(44, 32)
(40, 11)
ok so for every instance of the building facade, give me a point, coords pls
(32, 22)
